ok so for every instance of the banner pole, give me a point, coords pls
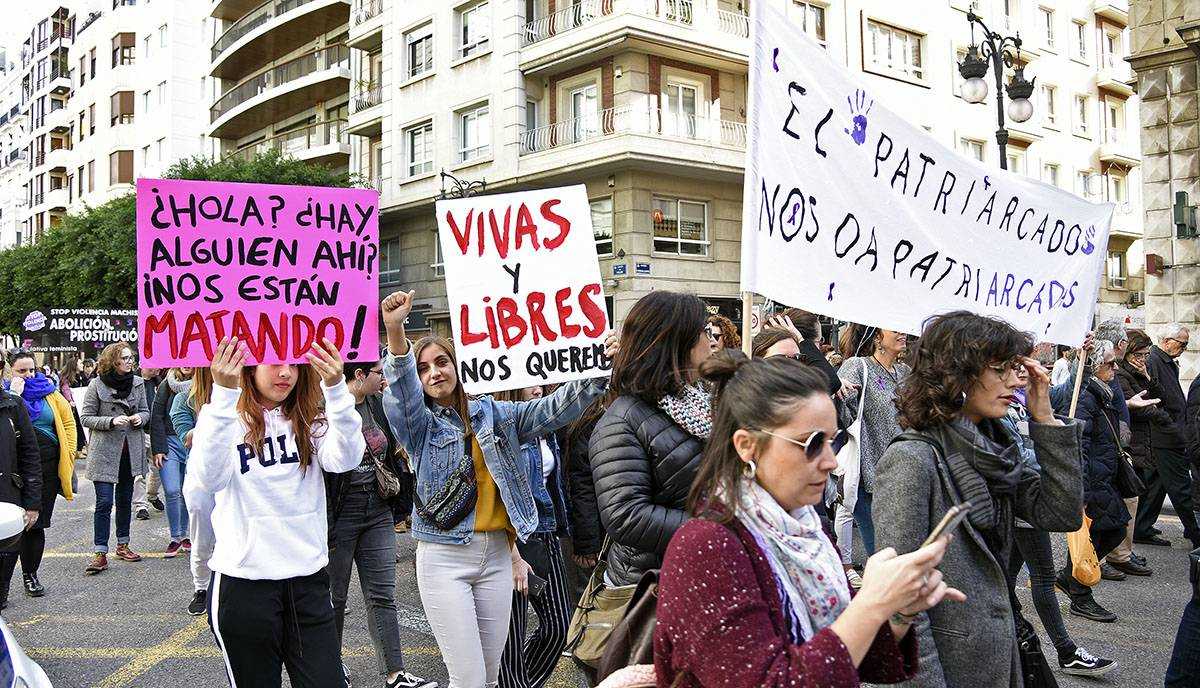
(747, 305)
(1079, 361)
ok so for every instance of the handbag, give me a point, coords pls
(597, 614)
(1085, 565)
(386, 481)
(849, 457)
(1035, 670)
(456, 499)
(1129, 483)
(632, 639)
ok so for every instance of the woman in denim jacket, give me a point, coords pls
(467, 572)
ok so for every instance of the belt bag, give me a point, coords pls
(456, 499)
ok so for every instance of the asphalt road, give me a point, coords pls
(129, 626)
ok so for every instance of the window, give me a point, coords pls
(1116, 270)
(120, 167)
(92, 119)
(145, 101)
(1112, 49)
(1082, 105)
(474, 133)
(389, 262)
(162, 36)
(158, 146)
(1081, 47)
(91, 175)
(971, 148)
(79, 178)
(83, 70)
(92, 63)
(1084, 184)
(146, 45)
(418, 144)
(584, 115)
(531, 115)
(894, 51)
(1050, 173)
(602, 225)
(439, 263)
(1049, 108)
(474, 29)
(1016, 159)
(161, 92)
(122, 108)
(811, 18)
(145, 155)
(420, 50)
(680, 227)
(122, 49)
(1114, 120)
(1046, 25)
(82, 126)
(681, 101)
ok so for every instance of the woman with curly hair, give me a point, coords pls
(956, 450)
(721, 333)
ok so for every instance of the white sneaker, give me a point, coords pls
(855, 579)
(407, 680)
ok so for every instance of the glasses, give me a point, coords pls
(375, 371)
(1181, 342)
(813, 444)
(711, 335)
(1139, 354)
(127, 358)
(1015, 366)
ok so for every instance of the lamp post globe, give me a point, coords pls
(974, 90)
(1020, 110)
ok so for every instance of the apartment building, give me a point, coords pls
(280, 78)
(45, 88)
(644, 102)
(13, 134)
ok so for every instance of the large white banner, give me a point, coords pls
(526, 301)
(852, 212)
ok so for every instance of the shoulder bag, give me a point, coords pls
(456, 499)
(632, 639)
(1129, 484)
(849, 457)
(599, 611)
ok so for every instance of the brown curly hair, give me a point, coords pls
(730, 339)
(954, 350)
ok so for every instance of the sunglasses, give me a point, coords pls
(812, 445)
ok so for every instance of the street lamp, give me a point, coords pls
(459, 188)
(999, 51)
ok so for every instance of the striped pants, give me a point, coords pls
(529, 662)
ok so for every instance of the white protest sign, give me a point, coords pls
(852, 212)
(523, 281)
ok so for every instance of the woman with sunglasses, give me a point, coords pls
(872, 373)
(958, 451)
(722, 333)
(752, 591)
(116, 410)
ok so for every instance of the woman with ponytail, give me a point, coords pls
(752, 591)
(199, 504)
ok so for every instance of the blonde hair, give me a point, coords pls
(110, 358)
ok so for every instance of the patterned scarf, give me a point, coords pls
(691, 409)
(806, 563)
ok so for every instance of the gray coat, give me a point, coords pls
(106, 440)
(913, 491)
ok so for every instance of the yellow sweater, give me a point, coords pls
(490, 513)
(64, 427)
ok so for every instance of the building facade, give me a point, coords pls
(14, 131)
(45, 88)
(1166, 41)
(644, 102)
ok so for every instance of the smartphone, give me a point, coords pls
(537, 585)
(952, 520)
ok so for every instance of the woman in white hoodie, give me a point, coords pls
(261, 450)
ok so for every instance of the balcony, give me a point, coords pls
(1114, 75)
(58, 199)
(323, 142)
(1119, 148)
(1116, 11)
(57, 120)
(700, 29)
(271, 30)
(60, 80)
(58, 160)
(366, 115)
(645, 134)
(366, 25)
(1125, 222)
(281, 91)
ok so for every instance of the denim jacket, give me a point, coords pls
(550, 494)
(433, 436)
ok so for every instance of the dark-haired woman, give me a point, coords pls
(775, 341)
(963, 380)
(646, 448)
(722, 333)
(54, 422)
(752, 591)
(468, 567)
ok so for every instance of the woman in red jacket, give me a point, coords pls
(752, 591)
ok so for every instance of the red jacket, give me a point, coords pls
(720, 622)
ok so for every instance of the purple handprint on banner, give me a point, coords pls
(860, 107)
(1089, 246)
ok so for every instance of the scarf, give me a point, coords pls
(120, 383)
(178, 386)
(691, 409)
(809, 569)
(37, 388)
(987, 474)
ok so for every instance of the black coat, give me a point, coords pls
(1193, 420)
(1141, 421)
(1100, 420)
(20, 463)
(643, 465)
(161, 426)
(1164, 370)
(337, 485)
(587, 532)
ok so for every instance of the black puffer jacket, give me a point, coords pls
(1142, 420)
(1100, 454)
(643, 465)
(20, 465)
(587, 533)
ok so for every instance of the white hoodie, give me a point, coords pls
(269, 518)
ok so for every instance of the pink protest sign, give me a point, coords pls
(276, 266)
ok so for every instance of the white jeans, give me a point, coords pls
(467, 594)
(203, 539)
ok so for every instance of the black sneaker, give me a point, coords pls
(1082, 663)
(158, 504)
(1132, 567)
(199, 603)
(34, 587)
(407, 680)
(1090, 609)
(1137, 559)
(143, 515)
(1109, 572)
(1061, 582)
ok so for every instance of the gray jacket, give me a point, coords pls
(962, 644)
(106, 440)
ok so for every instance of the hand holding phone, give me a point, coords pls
(537, 585)
(952, 520)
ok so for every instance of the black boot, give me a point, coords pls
(34, 587)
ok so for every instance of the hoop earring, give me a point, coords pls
(750, 469)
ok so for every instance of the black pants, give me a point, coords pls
(1104, 540)
(1173, 477)
(528, 662)
(263, 625)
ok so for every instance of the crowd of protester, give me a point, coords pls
(775, 509)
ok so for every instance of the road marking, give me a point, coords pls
(207, 652)
(148, 658)
(76, 619)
